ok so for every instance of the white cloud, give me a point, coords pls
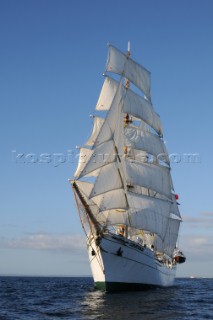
(199, 241)
(197, 247)
(202, 220)
(209, 214)
(43, 241)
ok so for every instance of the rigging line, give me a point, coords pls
(123, 184)
(76, 203)
(86, 207)
(91, 230)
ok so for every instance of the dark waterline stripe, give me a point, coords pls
(121, 286)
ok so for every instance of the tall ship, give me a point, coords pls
(123, 187)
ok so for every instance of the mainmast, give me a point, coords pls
(128, 48)
(127, 56)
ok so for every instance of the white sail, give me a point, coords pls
(145, 213)
(174, 208)
(143, 140)
(107, 180)
(149, 213)
(138, 155)
(113, 217)
(171, 235)
(85, 187)
(150, 176)
(84, 157)
(107, 93)
(142, 109)
(110, 124)
(138, 75)
(110, 201)
(114, 199)
(95, 159)
(133, 104)
(98, 123)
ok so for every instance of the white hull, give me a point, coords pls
(119, 264)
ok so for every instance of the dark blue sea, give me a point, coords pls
(28, 298)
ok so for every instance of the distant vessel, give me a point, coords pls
(123, 187)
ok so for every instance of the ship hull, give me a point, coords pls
(119, 264)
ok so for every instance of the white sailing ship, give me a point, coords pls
(123, 187)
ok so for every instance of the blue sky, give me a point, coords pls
(52, 57)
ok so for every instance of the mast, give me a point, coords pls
(128, 47)
(127, 57)
(126, 122)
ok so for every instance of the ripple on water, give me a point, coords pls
(75, 298)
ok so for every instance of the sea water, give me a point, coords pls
(49, 298)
